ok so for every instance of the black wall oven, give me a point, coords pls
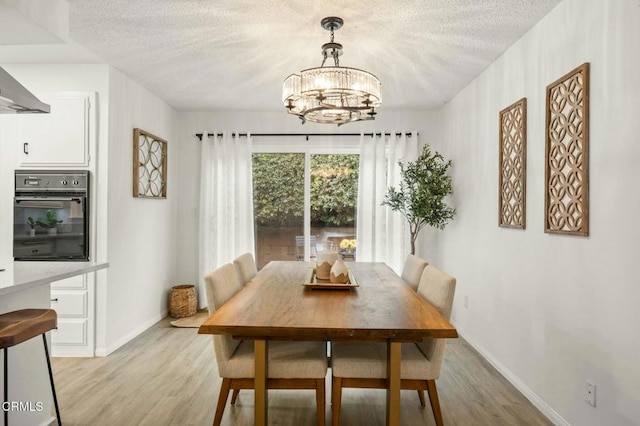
(51, 215)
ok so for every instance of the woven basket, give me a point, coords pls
(183, 301)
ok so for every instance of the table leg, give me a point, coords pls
(394, 355)
(260, 382)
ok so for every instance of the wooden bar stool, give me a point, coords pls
(19, 326)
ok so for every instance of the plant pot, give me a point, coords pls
(52, 231)
(339, 273)
(32, 232)
(324, 262)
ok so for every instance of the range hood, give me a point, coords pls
(14, 98)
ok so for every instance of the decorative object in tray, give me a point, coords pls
(326, 256)
(339, 273)
(312, 281)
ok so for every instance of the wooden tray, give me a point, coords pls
(311, 281)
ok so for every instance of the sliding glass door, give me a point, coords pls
(278, 205)
(301, 199)
(334, 197)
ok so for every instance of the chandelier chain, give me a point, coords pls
(334, 51)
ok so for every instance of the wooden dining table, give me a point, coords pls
(275, 305)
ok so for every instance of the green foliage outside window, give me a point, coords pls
(334, 190)
(278, 189)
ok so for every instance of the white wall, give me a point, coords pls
(142, 233)
(424, 122)
(551, 310)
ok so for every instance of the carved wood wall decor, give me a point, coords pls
(513, 166)
(567, 143)
(149, 165)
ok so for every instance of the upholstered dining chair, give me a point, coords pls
(364, 365)
(292, 365)
(412, 270)
(246, 267)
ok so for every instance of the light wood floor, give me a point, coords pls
(167, 376)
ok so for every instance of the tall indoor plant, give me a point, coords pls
(420, 196)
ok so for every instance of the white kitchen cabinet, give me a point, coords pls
(73, 300)
(64, 136)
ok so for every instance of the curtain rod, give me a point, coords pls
(307, 135)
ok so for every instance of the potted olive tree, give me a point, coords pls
(420, 196)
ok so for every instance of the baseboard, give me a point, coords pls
(549, 412)
(72, 352)
(132, 335)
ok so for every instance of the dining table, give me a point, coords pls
(277, 305)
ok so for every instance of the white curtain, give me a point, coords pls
(226, 202)
(382, 235)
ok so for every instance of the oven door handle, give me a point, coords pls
(76, 199)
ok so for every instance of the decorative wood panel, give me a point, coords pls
(149, 165)
(513, 166)
(567, 143)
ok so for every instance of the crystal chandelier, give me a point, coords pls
(333, 95)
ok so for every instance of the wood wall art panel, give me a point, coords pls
(567, 143)
(513, 166)
(149, 165)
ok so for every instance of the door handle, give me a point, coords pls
(54, 300)
(50, 198)
(25, 148)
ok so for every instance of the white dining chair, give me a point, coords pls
(412, 270)
(292, 365)
(246, 267)
(364, 365)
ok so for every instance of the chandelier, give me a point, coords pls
(333, 95)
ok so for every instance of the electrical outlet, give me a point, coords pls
(590, 393)
(466, 302)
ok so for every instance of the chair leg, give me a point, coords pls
(435, 402)
(222, 401)
(53, 387)
(6, 387)
(320, 401)
(421, 396)
(234, 396)
(336, 400)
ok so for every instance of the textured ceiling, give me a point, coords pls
(234, 54)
